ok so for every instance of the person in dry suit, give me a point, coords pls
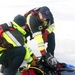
(40, 23)
(13, 46)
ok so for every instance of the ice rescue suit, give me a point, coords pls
(38, 29)
(13, 49)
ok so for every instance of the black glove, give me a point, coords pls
(49, 60)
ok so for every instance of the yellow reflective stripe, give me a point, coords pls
(28, 19)
(8, 39)
(45, 23)
(38, 38)
(27, 58)
(30, 51)
(1, 54)
(16, 26)
(50, 28)
(1, 48)
(41, 46)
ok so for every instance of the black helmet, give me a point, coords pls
(20, 20)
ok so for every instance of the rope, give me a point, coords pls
(37, 69)
(30, 67)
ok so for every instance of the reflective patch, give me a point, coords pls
(40, 27)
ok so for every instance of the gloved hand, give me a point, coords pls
(45, 35)
(50, 60)
(35, 58)
(34, 63)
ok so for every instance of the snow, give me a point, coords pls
(64, 16)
